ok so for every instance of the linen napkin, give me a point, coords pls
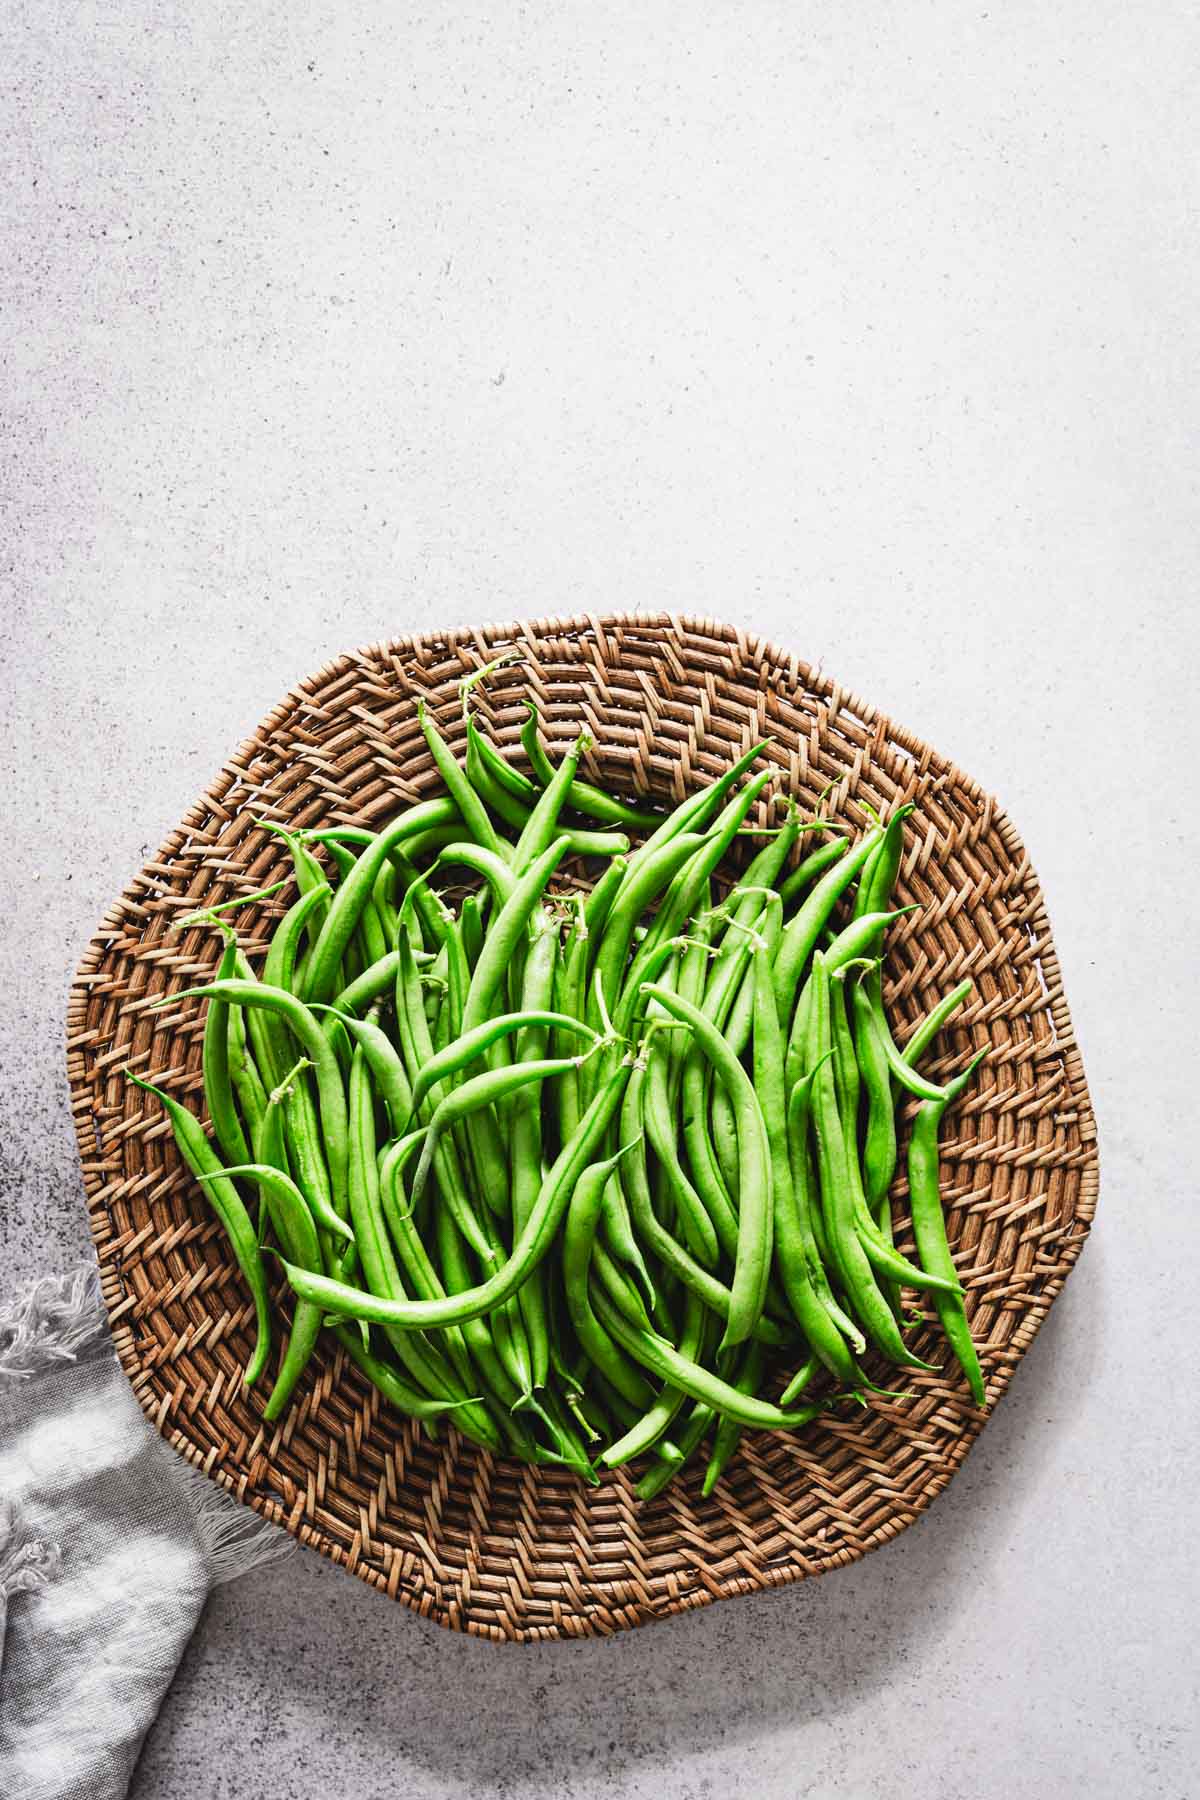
(109, 1544)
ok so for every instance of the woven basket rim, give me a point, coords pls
(120, 1298)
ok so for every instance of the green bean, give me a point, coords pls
(379, 1267)
(803, 1378)
(810, 1231)
(680, 899)
(933, 1021)
(525, 1129)
(813, 865)
(659, 1125)
(860, 937)
(470, 1045)
(846, 1248)
(579, 1233)
(659, 1474)
(791, 1242)
(370, 985)
(493, 866)
(599, 901)
(409, 1245)
(408, 1400)
(901, 1069)
(728, 1434)
(879, 874)
(542, 824)
(296, 1232)
(428, 913)
(752, 1266)
(801, 933)
(879, 1144)
(355, 890)
(496, 765)
(226, 1202)
(218, 1082)
(416, 1046)
(531, 1245)
(308, 1034)
(470, 923)
(692, 812)
(929, 1226)
(472, 810)
(567, 975)
(247, 1082)
(665, 1248)
(386, 1065)
(655, 1354)
(516, 815)
(652, 1427)
(583, 795)
(305, 867)
(481, 1091)
(877, 1244)
(643, 881)
(506, 932)
(745, 899)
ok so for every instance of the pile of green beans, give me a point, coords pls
(590, 1172)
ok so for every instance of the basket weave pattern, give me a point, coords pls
(477, 1542)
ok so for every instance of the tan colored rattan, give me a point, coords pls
(485, 1545)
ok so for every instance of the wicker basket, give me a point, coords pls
(478, 1543)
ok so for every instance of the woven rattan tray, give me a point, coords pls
(478, 1543)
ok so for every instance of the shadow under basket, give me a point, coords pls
(474, 1541)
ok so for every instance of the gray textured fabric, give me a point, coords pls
(109, 1544)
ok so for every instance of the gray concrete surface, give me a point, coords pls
(873, 329)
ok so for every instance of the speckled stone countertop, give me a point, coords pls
(874, 331)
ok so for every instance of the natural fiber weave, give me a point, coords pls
(476, 1542)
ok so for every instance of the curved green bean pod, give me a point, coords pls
(659, 1124)
(386, 1065)
(643, 881)
(801, 932)
(482, 1090)
(654, 1235)
(218, 1081)
(355, 890)
(657, 1420)
(599, 901)
(929, 1226)
(312, 1040)
(227, 1203)
(583, 795)
(296, 1232)
(474, 813)
(579, 1232)
(426, 1365)
(813, 865)
(664, 1471)
(752, 1266)
(791, 1244)
(695, 809)
(530, 1247)
(470, 1045)
(933, 1021)
(879, 875)
(845, 1245)
(728, 1434)
(541, 826)
(501, 942)
(662, 1358)
(494, 867)
(408, 1400)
